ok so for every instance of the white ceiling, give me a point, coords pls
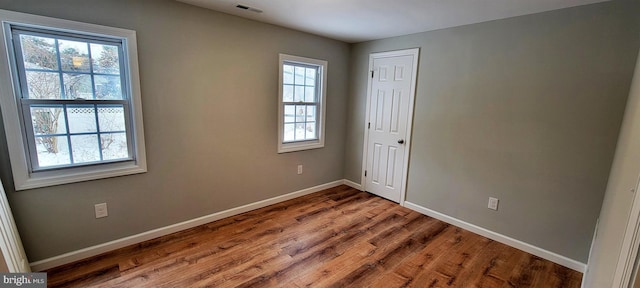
(361, 20)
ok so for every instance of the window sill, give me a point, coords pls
(80, 174)
(299, 146)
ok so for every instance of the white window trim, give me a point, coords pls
(23, 178)
(302, 145)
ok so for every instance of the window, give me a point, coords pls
(74, 112)
(301, 103)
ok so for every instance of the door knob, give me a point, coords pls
(401, 141)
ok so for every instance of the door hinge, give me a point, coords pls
(372, 73)
(369, 126)
(365, 173)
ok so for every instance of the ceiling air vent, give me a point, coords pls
(245, 7)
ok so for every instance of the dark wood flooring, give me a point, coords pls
(339, 237)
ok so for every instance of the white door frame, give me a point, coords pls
(10, 242)
(624, 273)
(623, 277)
(415, 52)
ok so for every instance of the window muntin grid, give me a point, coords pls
(300, 100)
(69, 84)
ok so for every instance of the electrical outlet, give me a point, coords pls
(101, 210)
(299, 169)
(493, 203)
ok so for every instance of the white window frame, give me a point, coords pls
(321, 65)
(23, 176)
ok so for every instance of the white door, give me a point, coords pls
(390, 107)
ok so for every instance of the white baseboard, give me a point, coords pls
(134, 239)
(352, 184)
(548, 255)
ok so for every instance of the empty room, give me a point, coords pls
(219, 143)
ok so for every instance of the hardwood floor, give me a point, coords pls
(339, 237)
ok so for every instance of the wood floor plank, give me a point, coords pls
(478, 268)
(311, 240)
(327, 248)
(445, 271)
(523, 275)
(339, 237)
(352, 251)
(404, 273)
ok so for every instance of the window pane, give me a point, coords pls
(39, 52)
(105, 59)
(289, 113)
(111, 118)
(74, 56)
(52, 151)
(43, 85)
(48, 120)
(108, 87)
(77, 86)
(289, 132)
(85, 148)
(311, 130)
(114, 146)
(309, 94)
(300, 131)
(310, 77)
(311, 113)
(287, 93)
(82, 118)
(298, 94)
(55, 66)
(300, 113)
(299, 75)
(287, 74)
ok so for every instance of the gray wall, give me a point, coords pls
(525, 109)
(209, 92)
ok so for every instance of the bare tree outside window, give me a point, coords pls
(75, 101)
(66, 69)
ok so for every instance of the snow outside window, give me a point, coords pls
(301, 103)
(77, 99)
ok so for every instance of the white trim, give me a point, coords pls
(548, 255)
(415, 52)
(593, 240)
(630, 245)
(323, 66)
(626, 269)
(352, 184)
(134, 239)
(51, 178)
(10, 242)
(23, 179)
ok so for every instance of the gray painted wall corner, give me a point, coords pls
(525, 109)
